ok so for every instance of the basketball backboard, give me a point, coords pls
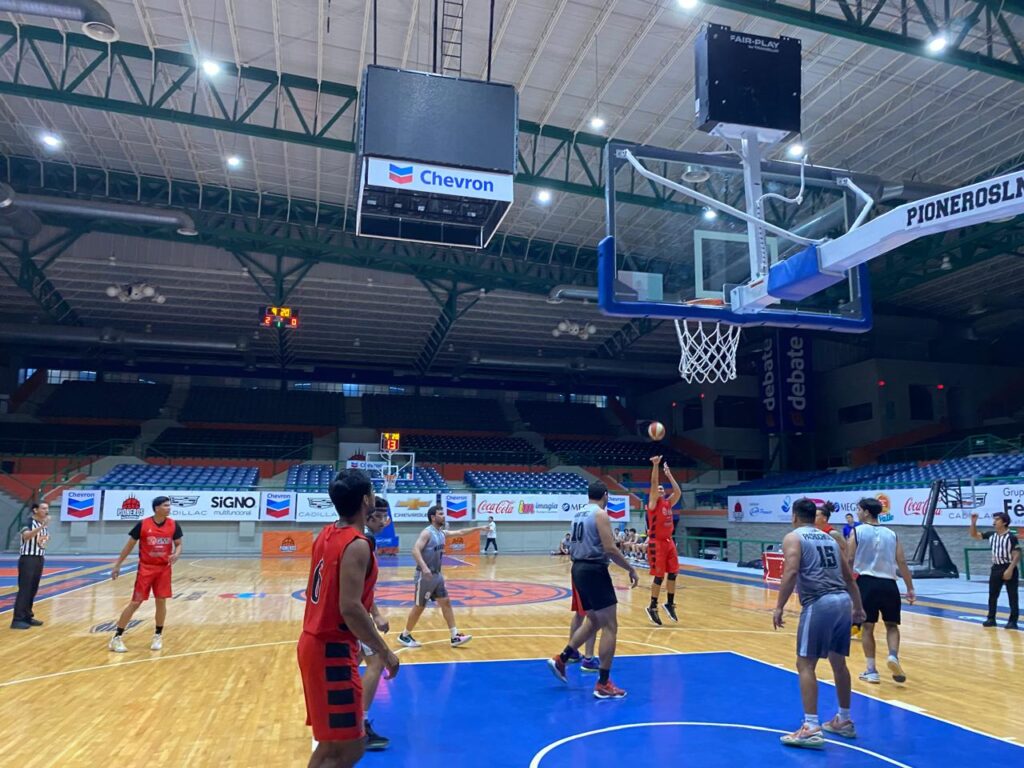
(685, 259)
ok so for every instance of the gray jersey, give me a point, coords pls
(585, 542)
(434, 550)
(820, 572)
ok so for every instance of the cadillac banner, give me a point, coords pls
(900, 506)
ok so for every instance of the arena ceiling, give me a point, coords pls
(144, 123)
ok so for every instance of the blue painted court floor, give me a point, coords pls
(706, 710)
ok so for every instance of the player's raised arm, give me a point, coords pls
(652, 497)
(677, 492)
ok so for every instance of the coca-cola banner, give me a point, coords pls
(900, 506)
(542, 507)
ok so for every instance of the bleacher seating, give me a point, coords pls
(263, 406)
(420, 412)
(982, 469)
(100, 400)
(232, 444)
(526, 482)
(564, 418)
(615, 453)
(34, 439)
(472, 450)
(174, 477)
(317, 477)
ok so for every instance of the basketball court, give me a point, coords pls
(719, 684)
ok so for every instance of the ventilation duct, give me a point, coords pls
(135, 214)
(96, 21)
(14, 221)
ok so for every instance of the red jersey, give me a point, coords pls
(827, 528)
(156, 542)
(659, 521)
(323, 614)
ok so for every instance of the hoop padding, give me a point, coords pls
(707, 351)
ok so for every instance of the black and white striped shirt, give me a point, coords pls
(32, 546)
(1003, 545)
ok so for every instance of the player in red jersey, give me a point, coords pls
(661, 549)
(339, 598)
(159, 540)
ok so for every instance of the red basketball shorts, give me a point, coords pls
(151, 578)
(662, 557)
(332, 687)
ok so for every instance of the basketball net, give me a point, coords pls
(390, 482)
(707, 351)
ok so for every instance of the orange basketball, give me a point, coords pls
(656, 430)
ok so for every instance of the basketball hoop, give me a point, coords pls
(707, 348)
(390, 481)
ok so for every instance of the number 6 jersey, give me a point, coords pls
(323, 612)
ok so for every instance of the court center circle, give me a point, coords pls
(538, 759)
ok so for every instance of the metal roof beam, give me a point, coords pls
(841, 19)
(32, 279)
(159, 84)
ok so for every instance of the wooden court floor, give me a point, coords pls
(225, 689)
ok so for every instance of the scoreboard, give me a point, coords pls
(279, 317)
(390, 442)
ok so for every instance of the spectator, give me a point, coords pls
(34, 538)
(850, 525)
(563, 546)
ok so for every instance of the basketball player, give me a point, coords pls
(339, 597)
(593, 546)
(428, 551)
(661, 549)
(159, 540)
(821, 519)
(377, 521)
(877, 555)
(830, 602)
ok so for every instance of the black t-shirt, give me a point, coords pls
(136, 532)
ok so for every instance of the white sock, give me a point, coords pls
(811, 720)
(871, 665)
(454, 632)
(893, 656)
(844, 714)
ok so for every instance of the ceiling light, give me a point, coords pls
(596, 123)
(160, 299)
(51, 141)
(112, 291)
(101, 32)
(946, 264)
(234, 161)
(687, 5)
(544, 196)
(591, 329)
(148, 291)
(695, 174)
(211, 68)
(710, 214)
(796, 150)
(937, 43)
(555, 332)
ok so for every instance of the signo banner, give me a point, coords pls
(185, 505)
(900, 506)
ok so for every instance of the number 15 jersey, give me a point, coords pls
(820, 572)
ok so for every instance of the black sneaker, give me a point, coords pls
(1011, 625)
(35, 622)
(670, 609)
(20, 625)
(374, 741)
(988, 623)
(652, 614)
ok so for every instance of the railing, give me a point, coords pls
(724, 543)
(987, 551)
(525, 457)
(254, 451)
(968, 446)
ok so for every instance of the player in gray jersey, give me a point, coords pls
(428, 551)
(830, 603)
(592, 547)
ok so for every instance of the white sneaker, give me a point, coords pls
(408, 641)
(157, 644)
(897, 669)
(870, 677)
(117, 645)
(460, 639)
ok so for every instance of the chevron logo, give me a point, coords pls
(457, 508)
(83, 507)
(400, 174)
(278, 508)
(617, 508)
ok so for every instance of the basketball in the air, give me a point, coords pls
(656, 430)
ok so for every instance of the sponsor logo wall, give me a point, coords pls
(900, 506)
(185, 505)
(542, 507)
(405, 507)
(78, 506)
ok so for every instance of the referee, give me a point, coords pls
(1005, 566)
(34, 537)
